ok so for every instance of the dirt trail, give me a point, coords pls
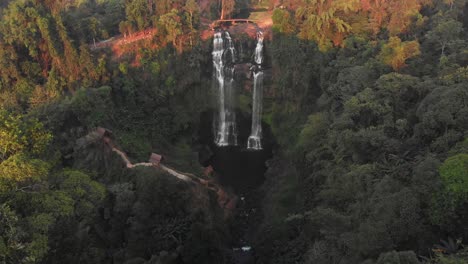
(172, 172)
(120, 40)
(226, 200)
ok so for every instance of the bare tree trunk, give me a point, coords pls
(150, 6)
(191, 29)
(222, 9)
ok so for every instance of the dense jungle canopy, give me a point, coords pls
(365, 126)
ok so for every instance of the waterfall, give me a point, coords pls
(255, 139)
(224, 125)
(223, 60)
(230, 46)
(259, 49)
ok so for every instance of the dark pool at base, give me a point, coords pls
(236, 166)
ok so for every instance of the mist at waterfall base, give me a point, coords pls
(237, 167)
(237, 141)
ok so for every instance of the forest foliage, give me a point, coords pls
(372, 115)
(66, 200)
(368, 106)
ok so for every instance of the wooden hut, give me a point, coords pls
(105, 135)
(208, 170)
(156, 159)
(103, 132)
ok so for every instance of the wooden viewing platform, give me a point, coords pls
(233, 21)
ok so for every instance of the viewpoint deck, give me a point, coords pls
(220, 22)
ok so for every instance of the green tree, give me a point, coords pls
(20, 169)
(446, 32)
(323, 21)
(192, 9)
(227, 8)
(395, 52)
(395, 16)
(21, 134)
(93, 24)
(138, 12)
(126, 28)
(454, 174)
(447, 208)
(170, 23)
(85, 192)
(399, 92)
(313, 130)
(163, 6)
(402, 257)
(283, 21)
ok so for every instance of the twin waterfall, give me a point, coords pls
(254, 141)
(224, 59)
(223, 62)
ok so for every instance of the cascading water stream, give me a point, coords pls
(230, 46)
(223, 59)
(255, 139)
(259, 49)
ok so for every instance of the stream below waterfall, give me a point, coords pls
(242, 171)
(238, 142)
